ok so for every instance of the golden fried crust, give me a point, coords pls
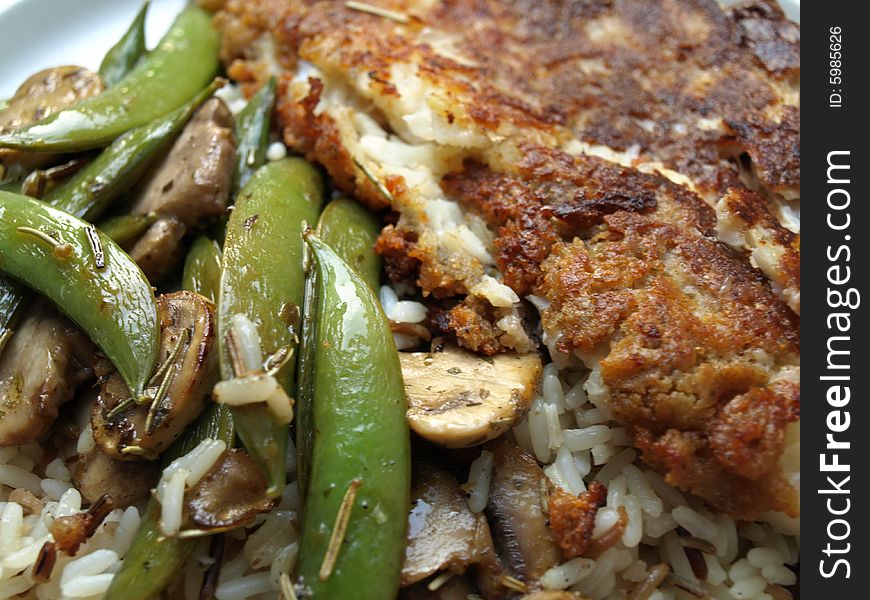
(572, 518)
(688, 339)
(664, 76)
(682, 81)
(693, 343)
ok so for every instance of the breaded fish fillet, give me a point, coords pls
(575, 151)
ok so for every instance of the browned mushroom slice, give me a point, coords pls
(188, 189)
(126, 483)
(517, 512)
(186, 372)
(230, 495)
(41, 95)
(443, 533)
(40, 369)
(459, 399)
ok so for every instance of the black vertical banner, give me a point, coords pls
(835, 408)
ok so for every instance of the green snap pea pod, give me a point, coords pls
(356, 508)
(351, 230)
(123, 56)
(154, 560)
(88, 276)
(202, 268)
(12, 296)
(184, 61)
(262, 279)
(124, 229)
(90, 191)
(252, 130)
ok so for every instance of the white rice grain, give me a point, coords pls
(54, 489)
(171, 503)
(276, 151)
(86, 441)
(11, 522)
(586, 438)
(538, 431)
(90, 564)
(642, 491)
(554, 426)
(634, 529)
(87, 585)
(16, 477)
(57, 469)
(615, 465)
(479, 478)
(567, 574)
(26, 556)
(696, 524)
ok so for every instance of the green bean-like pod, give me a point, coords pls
(262, 280)
(154, 561)
(124, 229)
(356, 506)
(123, 56)
(184, 61)
(88, 276)
(351, 230)
(252, 130)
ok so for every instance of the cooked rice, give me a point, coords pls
(568, 429)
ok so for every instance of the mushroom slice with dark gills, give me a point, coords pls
(187, 190)
(517, 510)
(178, 391)
(459, 399)
(230, 495)
(443, 533)
(40, 369)
(42, 94)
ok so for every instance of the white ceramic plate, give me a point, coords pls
(36, 34)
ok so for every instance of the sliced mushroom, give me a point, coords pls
(126, 483)
(459, 399)
(159, 249)
(40, 369)
(186, 372)
(230, 495)
(443, 533)
(517, 513)
(188, 189)
(41, 95)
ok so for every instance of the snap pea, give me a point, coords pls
(184, 61)
(12, 295)
(262, 279)
(124, 229)
(89, 192)
(202, 268)
(123, 56)
(360, 469)
(88, 276)
(154, 560)
(252, 130)
(351, 230)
